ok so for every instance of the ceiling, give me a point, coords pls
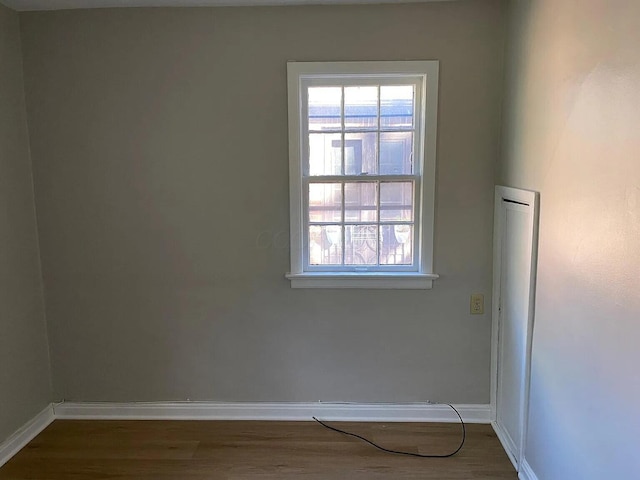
(24, 5)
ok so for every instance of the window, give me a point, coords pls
(362, 165)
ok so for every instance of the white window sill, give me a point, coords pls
(376, 280)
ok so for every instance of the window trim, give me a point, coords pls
(420, 278)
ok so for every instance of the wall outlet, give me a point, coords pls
(477, 304)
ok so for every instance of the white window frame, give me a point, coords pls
(423, 74)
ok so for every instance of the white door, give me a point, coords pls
(514, 281)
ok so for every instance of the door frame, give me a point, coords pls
(532, 200)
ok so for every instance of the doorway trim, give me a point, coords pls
(532, 200)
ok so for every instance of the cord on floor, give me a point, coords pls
(399, 452)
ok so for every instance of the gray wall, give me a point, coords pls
(25, 387)
(571, 132)
(159, 144)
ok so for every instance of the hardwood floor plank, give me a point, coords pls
(211, 450)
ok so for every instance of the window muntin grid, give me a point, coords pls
(356, 136)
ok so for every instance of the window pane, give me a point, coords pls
(395, 153)
(396, 201)
(325, 202)
(325, 108)
(361, 107)
(325, 244)
(361, 245)
(325, 154)
(360, 200)
(360, 153)
(396, 244)
(396, 106)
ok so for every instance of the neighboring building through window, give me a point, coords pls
(362, 163)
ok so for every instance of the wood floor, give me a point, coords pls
(199, 450)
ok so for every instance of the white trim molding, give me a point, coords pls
(409, 280)
(25, 434)
(507, 445)
(337, 412)
(526, 472)
(355, 412)
(303, 78)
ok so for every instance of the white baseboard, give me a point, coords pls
(356, 412)
(526, 473)
(507, 444)
(524, 469)
(25, 434)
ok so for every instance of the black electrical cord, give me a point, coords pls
(398, 452)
